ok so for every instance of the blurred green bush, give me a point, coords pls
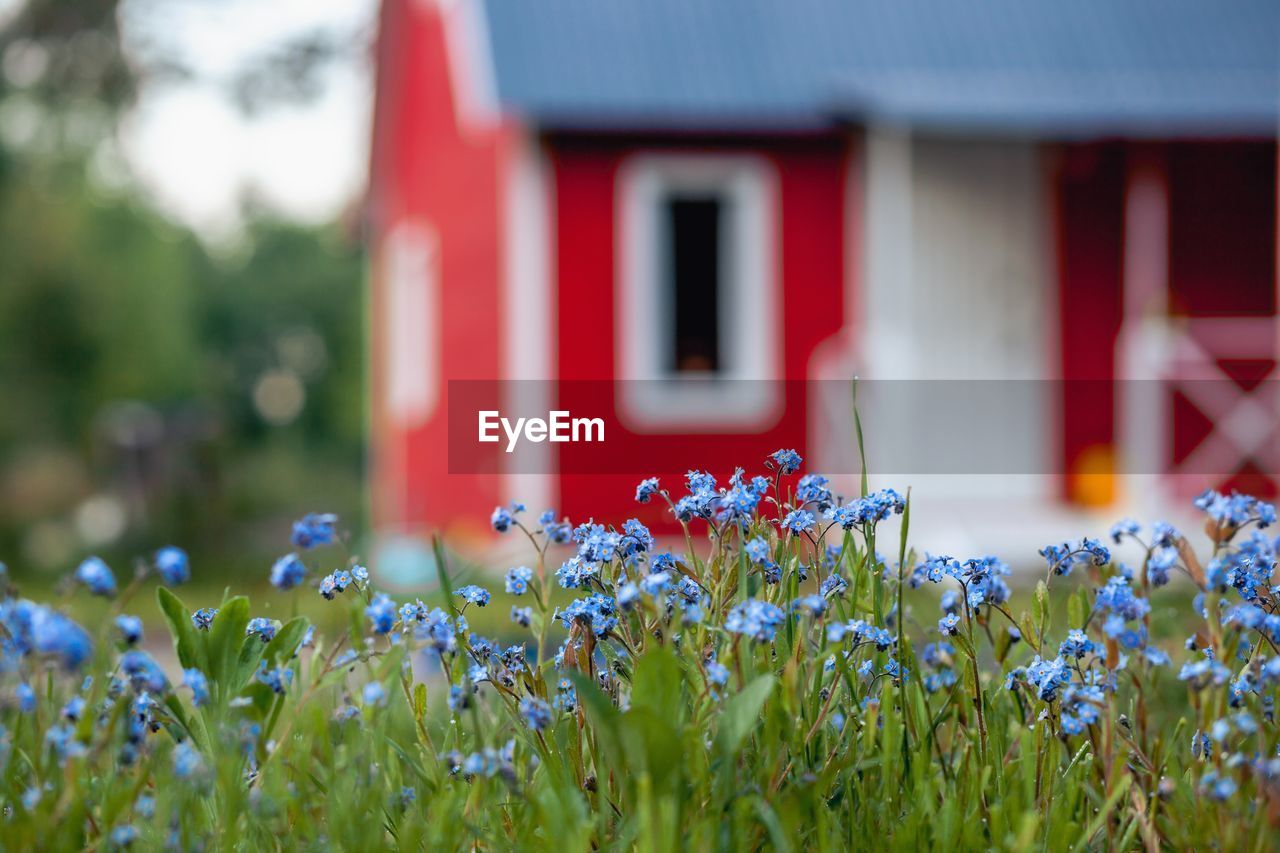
(156, 389)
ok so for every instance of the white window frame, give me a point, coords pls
(743, 394)
(411, 264)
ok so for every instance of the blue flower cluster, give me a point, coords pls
(1076, 645)
(381, 613)
(314, 530)
(262, 628)
(486, 763)
(143, 673)
(472, 594)
(870, 509)
(781, 580)
(334, 584)
(97, 577)
(647, 489)
(288, 572)
(798, 521)
(814, 490)
(756, 619)
(33, 630)
(980, 578)
(1061, 559)
(173, 565)
(130, 628)
(1236, 510)
(787, 461)
(517, 581)
(1162, 552)
(199, 685)
(597, 611)
(1119, 605)
(536, 713)
(202, 619)
(502, 519)
(861, 632)
(938, 657)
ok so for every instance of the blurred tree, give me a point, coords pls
(242, 375)
(156, 389)
(74, 55)
(69, 54)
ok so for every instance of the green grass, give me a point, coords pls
(795, 750)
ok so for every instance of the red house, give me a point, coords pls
(680, 213)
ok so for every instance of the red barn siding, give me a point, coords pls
(811, 181)
(429, 168)
(1221, 263)
(1222, 207)
(1090, 254)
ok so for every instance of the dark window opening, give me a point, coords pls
(693, 226)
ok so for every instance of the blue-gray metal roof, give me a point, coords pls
(1050, 67)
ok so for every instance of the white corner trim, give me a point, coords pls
(1144, 339)
(470, 57)
(528, 317)
(1146, 241)
(411, 335)
(744, 395)
(888, 344)
(853, 235)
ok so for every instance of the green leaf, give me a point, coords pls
(419, 701)
(902, 533)
(1104, 814)
(411, 762)
(777, 835)
(652, 744)
(355, 622)
(1075, 612)
(246, 664)
(596, 705)
(862, 452)
(656, 684)
(285, 643)
(1042, 608)
(1028, 629)
(1003, 643)
(224, 639)
(442, 572)
(622, 666)
(180, 628)
(603, 717)
(741, 713)
(970, 683)
(564, 817)
(174, 704)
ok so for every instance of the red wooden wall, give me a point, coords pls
(427, 166)
(1090, 251)
(811, 195)
(1221, 263)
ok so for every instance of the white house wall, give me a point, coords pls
(959, 285)
(979, 282)
(529, 325)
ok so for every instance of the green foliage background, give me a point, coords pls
(113, 316)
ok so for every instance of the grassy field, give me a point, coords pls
(798, 677)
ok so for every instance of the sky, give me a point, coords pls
(196, 153)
